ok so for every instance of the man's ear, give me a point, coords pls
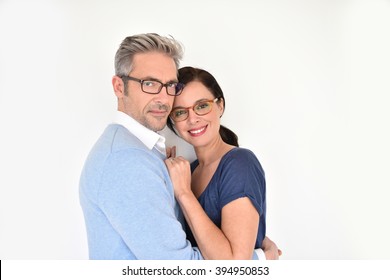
(118, 86)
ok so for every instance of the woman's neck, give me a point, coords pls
(212, 152)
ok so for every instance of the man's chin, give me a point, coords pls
(157, 124)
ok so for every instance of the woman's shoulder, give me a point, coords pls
(240, 160)
(239, 154)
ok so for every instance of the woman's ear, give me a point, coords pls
(221, 106)
(118, 86)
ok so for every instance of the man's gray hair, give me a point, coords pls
(145, 43)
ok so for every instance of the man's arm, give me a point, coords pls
(270, 250)
(140, 205)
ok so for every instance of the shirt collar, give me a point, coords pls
(148, 137)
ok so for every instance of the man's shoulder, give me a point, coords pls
(121, 138)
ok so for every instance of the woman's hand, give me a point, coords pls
(180, 173)
(171, 151)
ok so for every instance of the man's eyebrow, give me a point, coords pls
(149, 78)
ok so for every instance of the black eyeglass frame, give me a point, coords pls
(178, 88)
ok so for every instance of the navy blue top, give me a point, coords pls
(239, 174)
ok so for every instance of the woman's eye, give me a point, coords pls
(179, 113)
(202, 106)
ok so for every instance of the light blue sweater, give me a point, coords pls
(128, 202)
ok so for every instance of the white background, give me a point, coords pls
(306, 85)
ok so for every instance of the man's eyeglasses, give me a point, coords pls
(154, 87)
(200, 108)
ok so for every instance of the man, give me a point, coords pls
(125, 189)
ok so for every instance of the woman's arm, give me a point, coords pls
(239, 219)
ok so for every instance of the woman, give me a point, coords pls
(224, 198)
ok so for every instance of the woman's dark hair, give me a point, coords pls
(190, 74)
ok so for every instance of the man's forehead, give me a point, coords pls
(154, 60)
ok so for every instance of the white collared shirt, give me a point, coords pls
(148, 137)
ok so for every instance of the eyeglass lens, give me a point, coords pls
(155, 87)
(201, 108)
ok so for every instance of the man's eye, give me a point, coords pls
(171, 85)
(149, 83)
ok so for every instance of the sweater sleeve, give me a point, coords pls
(137, 198)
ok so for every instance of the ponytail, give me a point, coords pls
(228, 136)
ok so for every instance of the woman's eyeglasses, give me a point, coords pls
(200, 108)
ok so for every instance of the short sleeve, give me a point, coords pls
(241, 175)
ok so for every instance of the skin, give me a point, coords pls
(237, 236)
(151, 110)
